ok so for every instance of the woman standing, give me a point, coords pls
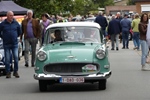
(44, 23)
(136, 34)
(144, 47)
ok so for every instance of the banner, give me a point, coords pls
(19, 19)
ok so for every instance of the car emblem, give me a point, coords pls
(71, 57)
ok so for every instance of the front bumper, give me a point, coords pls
(90, 77)
(2, 66)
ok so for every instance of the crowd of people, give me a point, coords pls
(33, 30)
(120, 27)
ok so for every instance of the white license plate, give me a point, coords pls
(72, 80)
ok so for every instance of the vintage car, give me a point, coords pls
(90, 19)
(2, 65)
(2, 57)
(73, 52)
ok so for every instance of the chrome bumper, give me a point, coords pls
(57, 77)
(2, 66)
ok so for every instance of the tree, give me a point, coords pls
(130, 2)
(63, 6)
(103, 3)
(49, 6)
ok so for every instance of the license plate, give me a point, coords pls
(72, 80)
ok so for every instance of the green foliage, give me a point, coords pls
(63, 6)
(103, 3)
(130, 2)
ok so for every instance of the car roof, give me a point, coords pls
(66, 24)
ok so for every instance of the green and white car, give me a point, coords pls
(80, 56)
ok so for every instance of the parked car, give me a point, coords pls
(90, 19)
(2, 57)
(80, 56)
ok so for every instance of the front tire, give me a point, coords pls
(42, 85)
(102, 84)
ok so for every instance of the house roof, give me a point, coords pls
(6, 6)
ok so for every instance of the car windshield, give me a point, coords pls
(73, 34)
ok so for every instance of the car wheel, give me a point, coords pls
(102, 84)
(42, 85)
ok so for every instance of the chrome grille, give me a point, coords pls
(66, 67)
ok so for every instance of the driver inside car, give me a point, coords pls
(57, 36)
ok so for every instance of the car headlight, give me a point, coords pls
(41, 55)
(100, 54)
(1, 57)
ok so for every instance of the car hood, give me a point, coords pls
(67, 52)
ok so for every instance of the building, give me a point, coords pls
(120, 2)
(120, 6)
(142, 6)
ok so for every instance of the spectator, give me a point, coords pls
(114, 30)
(10, 30)
(31, 31)
(101, 20)
(119, 17)
(144, 47)
(125, 27)
(136, 34)
(54, 19)
(43, 24)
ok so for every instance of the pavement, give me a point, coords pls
(131, 46)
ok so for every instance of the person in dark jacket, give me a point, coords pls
(101, 20)
(9, 31)
(125, 27)
(32, 32)
(114, 29)
(119, 18)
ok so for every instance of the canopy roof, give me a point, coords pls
(6, 6)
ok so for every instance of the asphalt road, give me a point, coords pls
(127, 82)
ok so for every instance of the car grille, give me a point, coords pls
(67, 67)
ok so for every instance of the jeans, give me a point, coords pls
(9, 51)
(136, 40)
(125, 38)
(104, 32)
(144, 49)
